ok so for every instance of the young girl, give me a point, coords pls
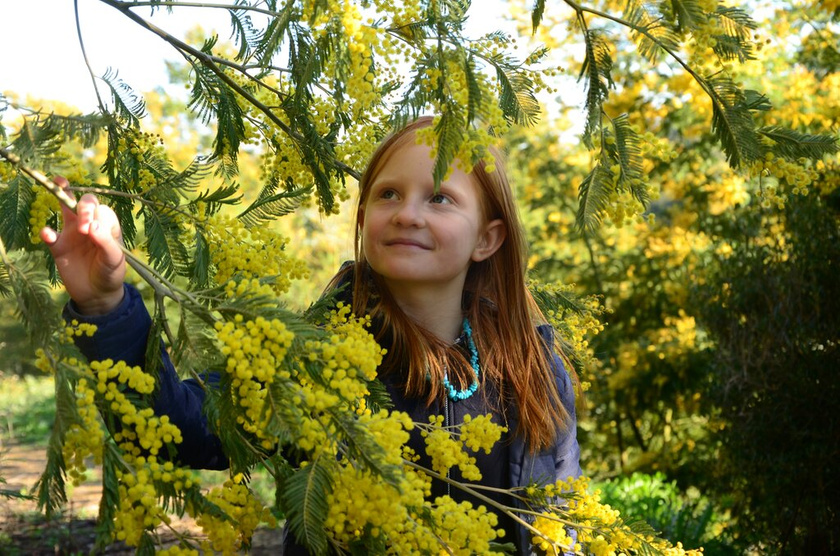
(442, 275)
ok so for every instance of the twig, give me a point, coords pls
(85, 57)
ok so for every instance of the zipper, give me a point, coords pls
(446, 424)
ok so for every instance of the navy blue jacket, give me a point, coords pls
(122, 335)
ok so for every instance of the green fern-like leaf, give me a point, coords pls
(230, 128)
(15, 203)
(756, 101)
(474, 101)
(304, 501)
(183, 183)
(734, 42)
(163, 243)
(85, 128)
(688, 13)
(305, 63)
(128, 105)
(450, 134)
(31, 290)
(593, 197)
(242, 32)
(271, 204)
(273, 35)
(200, 268)
(204, 94)
(517, 98)
(318, 154)
(732, 122)
(628, 152)
(650, 30)
(36, 142)
(110, 500)
(51, 486)
(5, 281)
(596, 68)
(537, 15)
(554, 300)
(793, 145)
(194, 348)
(214, 200)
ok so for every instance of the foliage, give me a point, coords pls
(679, 122)
(27, 408)
(657, 377)
(681, 517)
(771, 309)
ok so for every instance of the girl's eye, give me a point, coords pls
(387, 194)
(440, 199)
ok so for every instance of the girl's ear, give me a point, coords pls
(489, 242)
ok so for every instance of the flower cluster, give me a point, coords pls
(138, 508)
(44, 206)
(480, 433)
(141, 438)
(141, 147)
(446, 447)
(350, 357)
(7, 172)
(255, 351)
(74, 329)
(575, 325)
(362, 504)
(462, 528)
(251, 253)
(552, 535)
(85, 437)
(346, 357)
(245, 512)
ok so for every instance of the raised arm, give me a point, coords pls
(91, 263)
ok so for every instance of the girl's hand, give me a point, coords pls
(88, 254)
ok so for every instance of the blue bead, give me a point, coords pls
(456, 395)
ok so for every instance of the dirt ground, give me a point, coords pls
(24, 531)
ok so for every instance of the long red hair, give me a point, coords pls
(501, 310)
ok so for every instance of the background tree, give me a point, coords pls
(676, 385)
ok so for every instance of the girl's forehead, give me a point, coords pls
(416, 161)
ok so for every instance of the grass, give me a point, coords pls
(27, 409)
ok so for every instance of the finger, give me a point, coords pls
(105, 233)
(48, 236)
(67, 215)
(86, 212)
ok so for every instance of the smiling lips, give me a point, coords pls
(405, 242)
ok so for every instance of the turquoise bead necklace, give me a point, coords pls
(453, 393)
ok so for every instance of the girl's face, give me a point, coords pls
(413, 236)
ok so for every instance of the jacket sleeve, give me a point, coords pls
(122, 335)
(567, 450)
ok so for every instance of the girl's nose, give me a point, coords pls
(408, 213)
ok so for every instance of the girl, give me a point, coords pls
(442, 275)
